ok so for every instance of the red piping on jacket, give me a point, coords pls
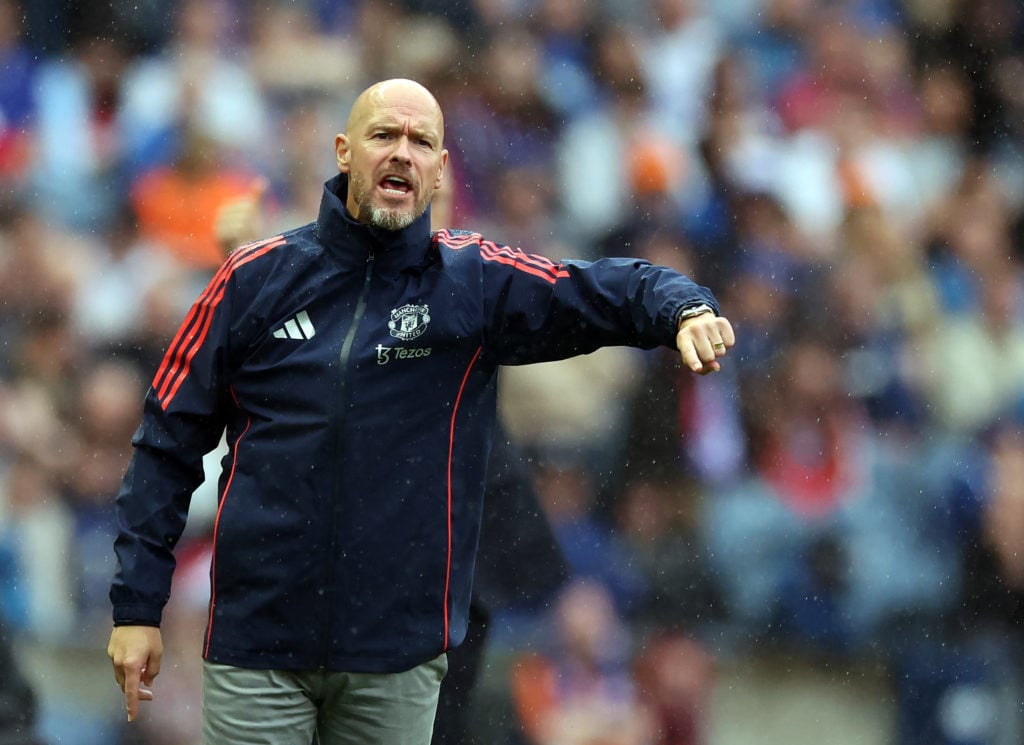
(216, 527)
(451, 455)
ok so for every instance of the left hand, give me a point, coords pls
(702, 339)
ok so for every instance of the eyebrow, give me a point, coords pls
(392, 124)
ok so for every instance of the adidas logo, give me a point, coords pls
(299, 327)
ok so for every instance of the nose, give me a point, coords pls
(401, 152)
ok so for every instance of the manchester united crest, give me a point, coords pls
(409, 321)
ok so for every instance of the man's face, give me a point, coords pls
(393, 154)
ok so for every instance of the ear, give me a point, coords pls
(342, 153)
(440, 169)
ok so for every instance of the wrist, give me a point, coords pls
(686, 313)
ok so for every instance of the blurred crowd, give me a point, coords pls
(846, 175)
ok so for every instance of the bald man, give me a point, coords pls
(393, 153)
(351, 364)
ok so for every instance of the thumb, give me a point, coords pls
(151, 670)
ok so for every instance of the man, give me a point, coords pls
(513, 526)
(17, 698)
(352, 364)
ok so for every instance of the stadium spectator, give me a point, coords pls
(17, 97)
(17, 698)
(580, 690)
(200, 79)
(177, 203)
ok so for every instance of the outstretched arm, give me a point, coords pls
(540, 310)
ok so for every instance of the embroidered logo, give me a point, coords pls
(299, 327)
(409, 321)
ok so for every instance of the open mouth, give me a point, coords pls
(395, 186)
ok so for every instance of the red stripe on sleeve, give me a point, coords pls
(198, 324)
(173, 357)
(538, 266)
(492, 248)
(457, 241)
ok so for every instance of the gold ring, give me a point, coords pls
(719, 345)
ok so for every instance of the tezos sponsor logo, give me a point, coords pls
(386, 354)
(409, 321)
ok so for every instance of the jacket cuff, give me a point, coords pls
(136, 615)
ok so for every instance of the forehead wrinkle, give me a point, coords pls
(417, 104)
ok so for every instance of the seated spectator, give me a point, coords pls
(17, 698)
(835, 531)
(202, 76)
(593, 550)
(966, 395)
(675, 675)
(959, 682)
(36, 590)
(178, 204)
(81, 87)
(17, 102)
(658, 518)
(580, 691)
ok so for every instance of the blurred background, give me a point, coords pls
(822, 543)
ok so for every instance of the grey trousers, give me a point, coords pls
(280, 707)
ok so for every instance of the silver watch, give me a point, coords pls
(694, 311)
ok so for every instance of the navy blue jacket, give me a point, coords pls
(354, 372)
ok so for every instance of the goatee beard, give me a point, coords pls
(380, 217)
(385, 219)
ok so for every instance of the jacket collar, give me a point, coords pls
(351, 241)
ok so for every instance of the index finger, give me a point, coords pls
(692, 358)
(132, 678)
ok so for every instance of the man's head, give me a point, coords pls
(392, 151)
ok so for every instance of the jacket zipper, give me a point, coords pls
(332, 544)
